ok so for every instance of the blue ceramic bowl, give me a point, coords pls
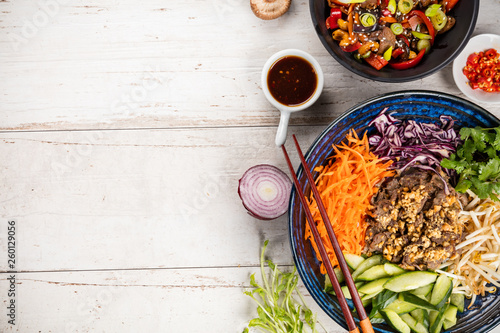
(446, 46)
(423, 106)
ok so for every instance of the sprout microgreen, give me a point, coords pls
(277, 308)
(477, 162)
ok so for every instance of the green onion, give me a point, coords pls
(367, 19)
(439, 20)
(388, 54)
(397, 28)
(420, 35)
(424, 44)
(432, 10)
(391, 6)
(405, 6)
(366, 55)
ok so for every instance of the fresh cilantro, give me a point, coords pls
(477, 162)
(278, 310)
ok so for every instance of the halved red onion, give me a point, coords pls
(265, 190)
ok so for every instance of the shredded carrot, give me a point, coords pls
(346, 185)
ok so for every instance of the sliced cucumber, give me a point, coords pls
(432, 317)
(438, 321)
(441, 291)
(393, 269)
(394, 320)
(373, 287)
(400, 306)
(448, 324)
(382, 300)
(373, 273)
(414, 325)
(410, 281)
(423, 291)
(421, 316)
(328, 283)
(353, 261)
(451, 314)
(370, 296)
(417, 301)
(458, 300)
(368, 263)
(345, 290)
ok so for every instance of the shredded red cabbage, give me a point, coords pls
(414, 144)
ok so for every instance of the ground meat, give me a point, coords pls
(414, 223)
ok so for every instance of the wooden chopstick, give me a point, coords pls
(324, 256)
(365, 323)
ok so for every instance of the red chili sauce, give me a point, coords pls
(292, 80)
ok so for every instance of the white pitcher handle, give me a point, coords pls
(282, 128)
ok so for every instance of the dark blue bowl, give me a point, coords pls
(423, 106)
(446, 46)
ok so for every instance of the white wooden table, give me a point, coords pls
(124, 128)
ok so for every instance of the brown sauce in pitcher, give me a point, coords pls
(292, 80)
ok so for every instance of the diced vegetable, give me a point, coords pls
(410, 281)
(394, 320)
(265, 191)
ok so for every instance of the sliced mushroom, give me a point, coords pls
(269, 9)
(449, 24)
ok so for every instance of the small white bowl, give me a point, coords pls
(284, 109)
(476, 44)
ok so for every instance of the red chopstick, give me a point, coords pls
(324, 256)
(365, 323)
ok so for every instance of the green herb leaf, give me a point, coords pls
(477, 162)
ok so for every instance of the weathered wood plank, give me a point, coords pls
(165, 64)
(184, 300)
(136, 199)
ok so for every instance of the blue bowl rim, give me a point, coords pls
(417, 76)
(424, 93)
